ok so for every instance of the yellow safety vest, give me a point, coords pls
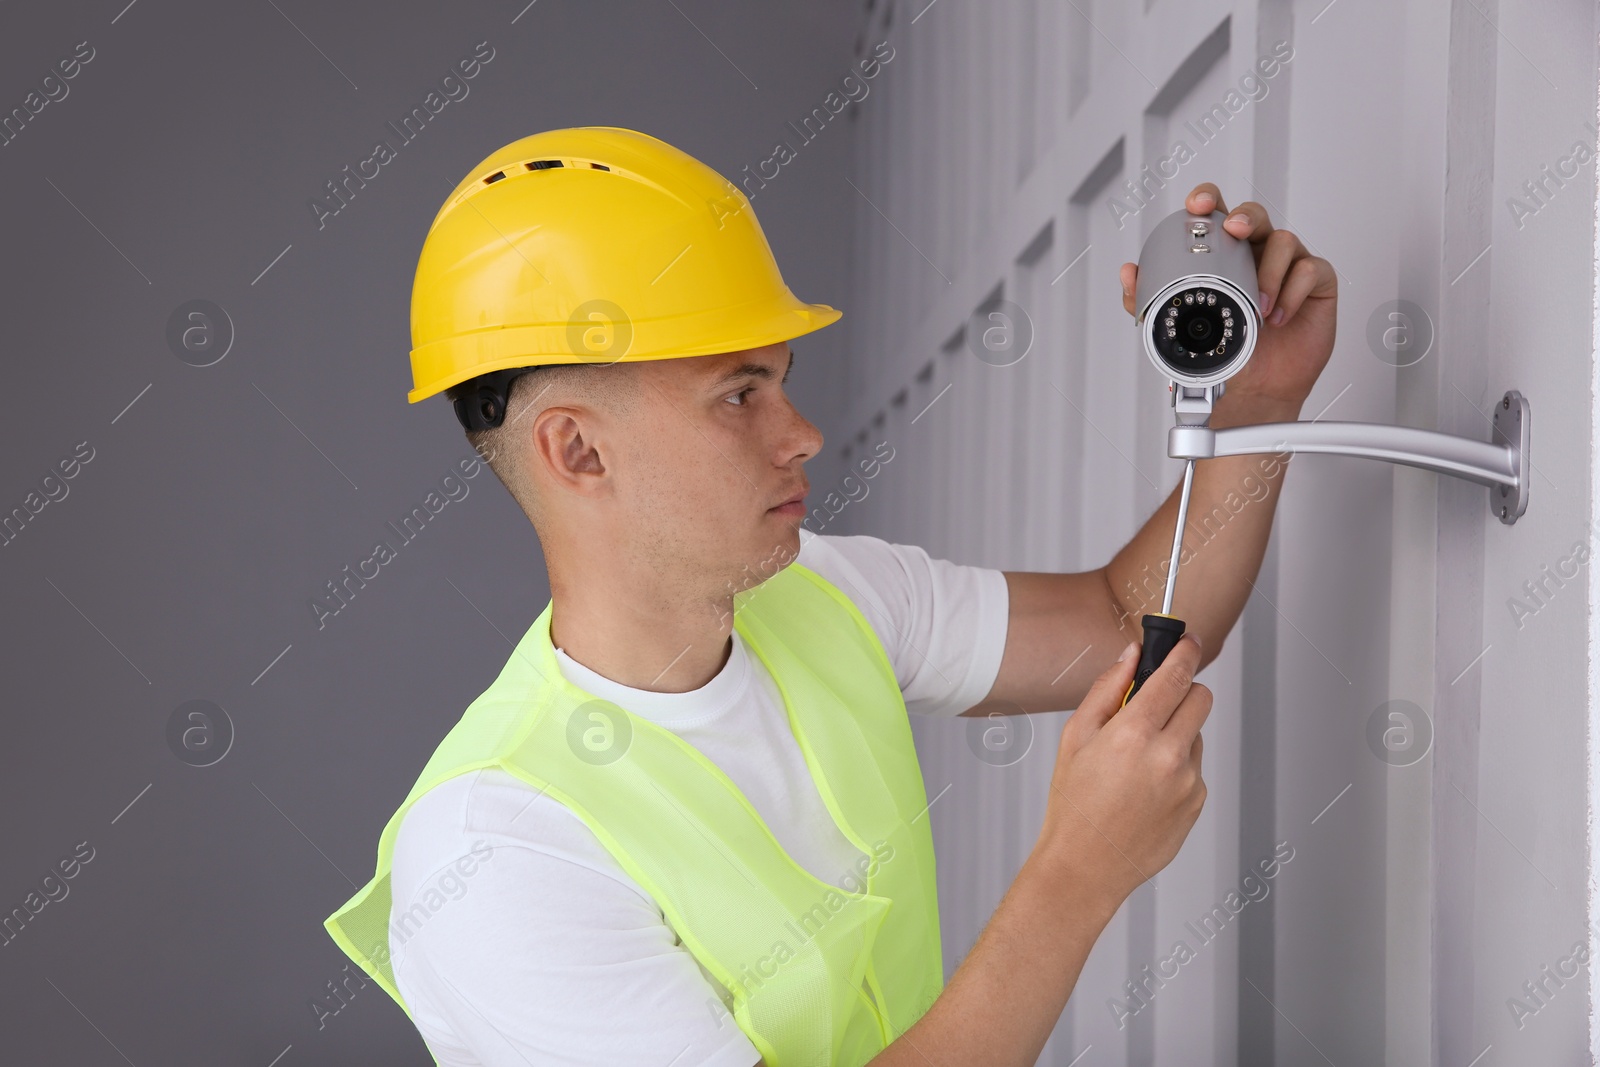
(819, 976)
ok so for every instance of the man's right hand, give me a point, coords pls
(1127, 787)
(1125, 792)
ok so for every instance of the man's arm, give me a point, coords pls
(1124, 794)
(1063, 629)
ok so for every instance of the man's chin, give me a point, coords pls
(772, 553)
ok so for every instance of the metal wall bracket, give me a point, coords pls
(1192, 404)
(1502, 464)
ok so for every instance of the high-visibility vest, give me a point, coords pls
(817, 975)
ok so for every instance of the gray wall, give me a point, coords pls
(180, 563)
(1427, 885)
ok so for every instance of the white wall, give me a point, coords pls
(1423, 898)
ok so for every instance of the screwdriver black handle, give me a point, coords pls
(1161, 635)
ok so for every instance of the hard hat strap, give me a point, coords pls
(480, 402)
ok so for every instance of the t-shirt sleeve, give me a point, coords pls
(943, 624)
(545, 951)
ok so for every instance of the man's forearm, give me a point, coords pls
(1230, 516)
(1004, 1000)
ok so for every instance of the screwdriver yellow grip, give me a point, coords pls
(1161, 636)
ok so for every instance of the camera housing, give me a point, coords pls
(1195, 300)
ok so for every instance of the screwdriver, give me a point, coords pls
(1162, 631)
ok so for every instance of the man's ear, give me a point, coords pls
(565, 445)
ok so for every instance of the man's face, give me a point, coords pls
(713, 483)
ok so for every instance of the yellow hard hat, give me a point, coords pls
(593, 244)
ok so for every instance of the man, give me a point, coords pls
(686, 823)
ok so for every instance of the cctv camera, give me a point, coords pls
(1196, 299)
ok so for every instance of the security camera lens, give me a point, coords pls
(1199, 330)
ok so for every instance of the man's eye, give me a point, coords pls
(740, 394)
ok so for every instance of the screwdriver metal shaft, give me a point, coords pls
(1162, 631)
(1177, 536)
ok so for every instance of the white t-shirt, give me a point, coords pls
(540, 949)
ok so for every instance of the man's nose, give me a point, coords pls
(807, 439)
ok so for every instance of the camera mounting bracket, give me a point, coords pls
(1192, 404)
(1502, 463)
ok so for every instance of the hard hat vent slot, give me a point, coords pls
(599, 166)
(544, 164)
(496, 176)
